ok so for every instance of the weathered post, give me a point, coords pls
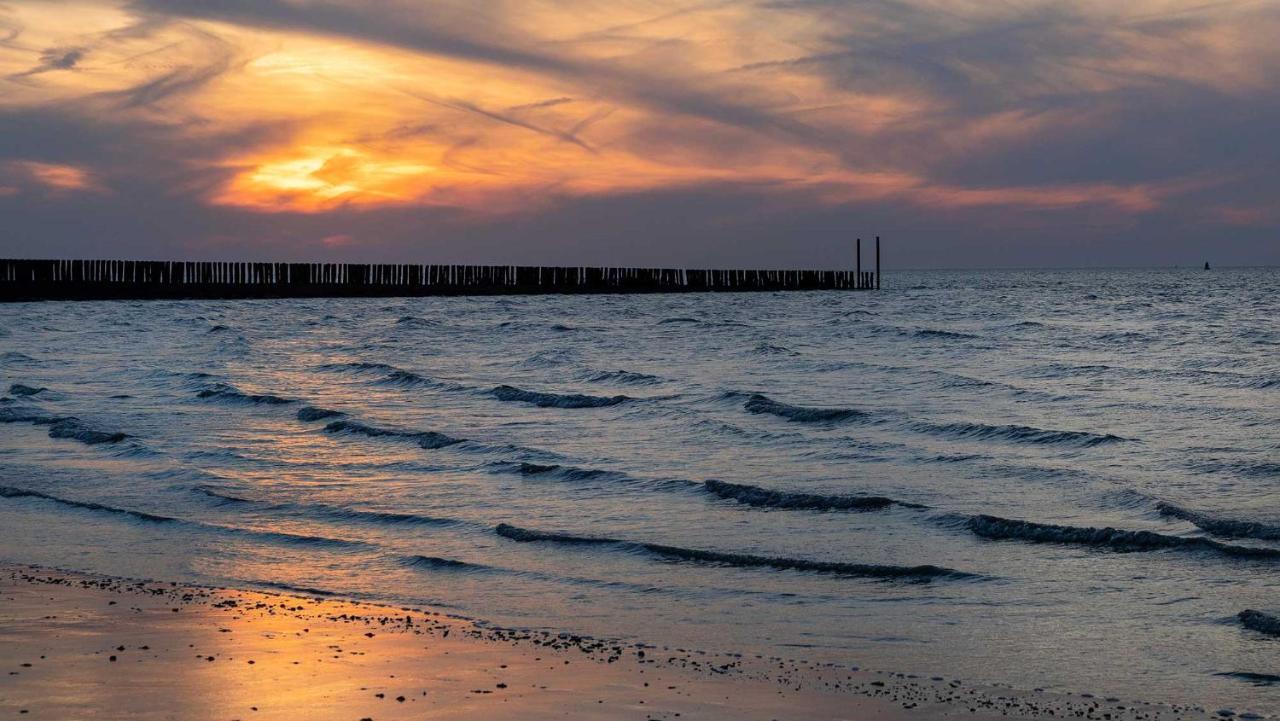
(858, 262)
(877, 262)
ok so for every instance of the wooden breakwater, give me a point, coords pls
(24, 280)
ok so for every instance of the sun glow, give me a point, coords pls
(321, 178)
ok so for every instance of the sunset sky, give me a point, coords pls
(739, 133)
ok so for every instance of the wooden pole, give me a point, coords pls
(858, 262)
(877, 262)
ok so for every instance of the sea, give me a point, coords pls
(1060, 479)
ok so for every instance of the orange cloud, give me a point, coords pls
(498, 110)
(55, 177)
(311, 179)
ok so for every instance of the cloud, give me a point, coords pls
(946, 118)
(50, 177)
(51, 60)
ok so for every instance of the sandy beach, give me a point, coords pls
(82, 646)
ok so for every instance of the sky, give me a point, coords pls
(720, 133)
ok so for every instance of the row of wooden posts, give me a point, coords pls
(85, 279)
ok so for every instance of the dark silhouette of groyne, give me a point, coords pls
(26, 280)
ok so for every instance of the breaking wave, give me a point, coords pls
(307, 414)
(568, 473)
(763, 404)
(931, 333)
(435, 563)
(408, 379)
(61, 426)
(996, 528)
(555, 400)
(220, 497)
(739, 560)
(271, 536)
(624, 377)
(327, 512)
(1257, 679)
(427, 439)
(11, 492)
(1229, 527)
(1259, 621)
(765, 498)
(231, 394)
(76, 429)
(1016, 434)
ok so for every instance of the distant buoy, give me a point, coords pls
(1206, 265)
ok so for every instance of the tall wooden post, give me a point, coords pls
(877, 262)
(858, 263)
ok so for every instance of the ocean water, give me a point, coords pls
(916, 480)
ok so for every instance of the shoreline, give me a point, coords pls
(77, 645)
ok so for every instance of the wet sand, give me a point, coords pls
(75, 646)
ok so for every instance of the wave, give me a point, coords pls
(308, 414)
(11, 492)
(436, 563)
(292, 589)
(1195, 375)
(624, 377)
(1259, 621)
(19, 389)
(682, 319)
(740, 560)
(765, 498)
(414, 321)
(408, 379)
(555, 400)
(338, 513)
(221, 498)
(231, 394)
(19, 414)
(762, 404)
(430, 440)
(770, 349)
(16, 358)
(393, 376)
(955, 380)
(1248, 469)
(281, 536)
(1257, 679)
(358, 367)
(61, 426)
(549, 358)
(1123, 336)
(932, 333)
(273, 536)
(1229, 527)
(569, 473)
(76, 429)
(996, 528)
(1016, 434)
(333, 513)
